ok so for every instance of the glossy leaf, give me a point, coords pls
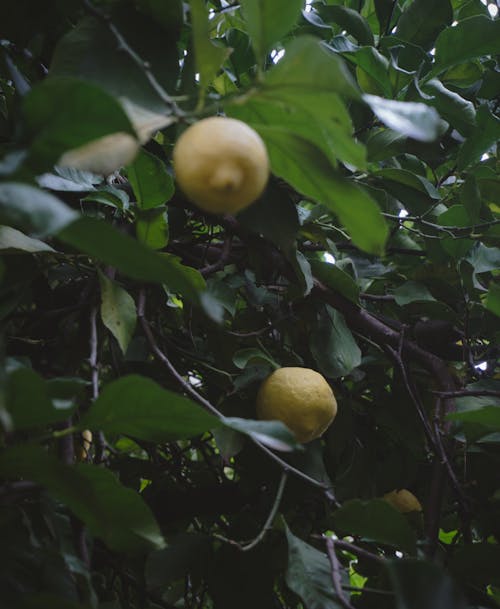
(456, 110)
(136, 406)
(12, 240)
(422, 21)
(481, 139)
(350, 20)
(412, 291)
(150, 181)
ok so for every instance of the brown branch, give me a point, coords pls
(463, 393)
(221, 262)
(336, 576)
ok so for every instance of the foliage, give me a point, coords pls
(372, 257)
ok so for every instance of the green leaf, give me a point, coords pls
(488, 416)
(88, 113)
(111, 511)
(209, 57)
(309, 574)
(137, 406)
(29, 403)
(492, 302)
(423, 585)
(33, 210)
(412, 291)
(485, 135)
(152, 228)
(376, 520)
(478, 563)
(273, 434)
(335, 278)
(244, 357)
(373, 70)
(470, 38)
(102, 241)
(456, 215)
(12, 240)
(150, 181)
(308, 170)
(470, 197)
(118, 311)
(412, 119)
(384, 10)
(333, 346)
(349, 20)
(423, 20)
(310, 65)
(459, 112)
(267, 22)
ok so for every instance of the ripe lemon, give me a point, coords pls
(404, 501)
(299, 397)
(221, 164)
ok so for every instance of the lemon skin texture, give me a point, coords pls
(221, 164)
(299, 397)
(404, 501)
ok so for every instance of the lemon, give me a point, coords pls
(404, 501)
(82, 451)
(299, 397)
(221, 164)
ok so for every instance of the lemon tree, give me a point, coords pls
(250, 303)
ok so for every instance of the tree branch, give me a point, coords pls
(336, 576)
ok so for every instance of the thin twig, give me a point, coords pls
(220, 263)
(463, 393)
(336, 576)
(99, 440)
(354, 549)
(245, 547)
(145, 66)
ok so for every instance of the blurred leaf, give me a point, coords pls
(412, 119)
(268, 22)
(136, 406)
(468, 39)
(28, 401)
(376, 520)
(111, 511)
(422, 21)
(88, 113)
(309, 574)
(470, 197)
(384, 10)
(273, 434)
(332, 344)
(118, 311)
(477, 563)
(14, 240)
(308, 170)
(423, 585)
(488, 416)
(485, 135)
(33, 210)
(412, 291)
(209, 56)
(132, 258)
(150, 181)
(309, 64)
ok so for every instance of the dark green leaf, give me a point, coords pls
(152, 184)
(111, 511)
(336, 278)
(423, 585)
(477, 563)
(136, 406)
(481, 139)
(493, 298)
(132, 258)
(384, 10)
(372, 71)
(268, 22)
(118, 312)
(349, 20)
(273, 434)
(455, 216)
(412, 119)
(470, 197)
(488, 416)
(309, 574)
(33, 210)
(422, 21)
(459, 112)
(333, 346)
(152, 228)
(308, 170)
(412, 291)
(470, 38)
(376, 520)
(28, 401)
(251, 355)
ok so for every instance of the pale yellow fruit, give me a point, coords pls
(103, 155)
(221, 164)
(404, 501)
(83, 449)
(299, 397)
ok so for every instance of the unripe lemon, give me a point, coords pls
(299, 397)
(404, 501)
(221, 164)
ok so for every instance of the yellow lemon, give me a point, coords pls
(404, 501)
(299, 397)
(221, 164)
(83, 447)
